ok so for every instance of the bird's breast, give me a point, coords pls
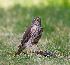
(34, 29)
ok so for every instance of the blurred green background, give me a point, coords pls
(17, 15)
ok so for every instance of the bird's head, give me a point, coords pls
(37, 21)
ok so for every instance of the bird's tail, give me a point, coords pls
(20, 49)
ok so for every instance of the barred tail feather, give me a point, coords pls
(19, 50)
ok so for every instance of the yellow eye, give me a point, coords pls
(34, 19)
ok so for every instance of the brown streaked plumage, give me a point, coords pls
(31, 36)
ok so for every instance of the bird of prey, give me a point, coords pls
(31, 36)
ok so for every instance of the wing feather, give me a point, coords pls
(26, 36)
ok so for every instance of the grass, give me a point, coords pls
(56, 35)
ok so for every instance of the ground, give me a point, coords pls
(56, 35)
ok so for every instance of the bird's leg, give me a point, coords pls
(20, 49)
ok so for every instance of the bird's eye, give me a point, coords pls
(34, 19)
